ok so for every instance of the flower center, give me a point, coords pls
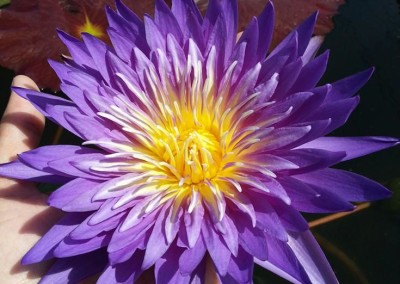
(200, 155)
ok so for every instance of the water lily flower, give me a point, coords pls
(198, 148)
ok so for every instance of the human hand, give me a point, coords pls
(24, 215)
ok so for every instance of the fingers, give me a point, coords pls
(22, 125)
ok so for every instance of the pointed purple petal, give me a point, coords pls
(191, 258)
(166, 21)
(75, 269)
(305, 31)
(308, 198)
(126, 272)
(349, 86)
(241, 268)
(166, 269)
(312, 258)
(44, 248)
(347, 185)
(311, 73)
(19, 170)
(157, 244)
(75, 196)
(50, 106)
(283, 262)
(354, 147)
(69, 247)
(265, 26)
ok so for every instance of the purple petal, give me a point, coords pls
(347, 185)
(218, 251)
(125, 27)
(78, 165)
(166, 21)
(265, 26)
(252, 240)
(287, 78)
(338, 112)
(312, 100)
(77, 49)
(191, 258)
(308, 198)
(73, 82)
(272, 187)
(40, 157)
(75, 269)
(87, 231)
(166, 269)
(305, 31)
(198, 276)
(50, 106)
(136, 25)
(270, 66)
(75, 196)
(193, 224)
(309, 160)
(283, 262)
(230, 16)
(229, 233)
(124, 254)
(126, 272)
(154, 37)
(250, 37)
(312, 258)
(267, 217)
(349, 86)
(354, 147)
(69, 247)
(44, 248)
(312, 48)
(108, 210)
(157, 244)
(123, 47)
(285, 136)
(290, 218)
(97, 50)
(241, 268)
(85, 127)
(287, 48)
(311, 73)
(19, 170)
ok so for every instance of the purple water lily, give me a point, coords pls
(198, 148)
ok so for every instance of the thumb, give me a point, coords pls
(22, 125)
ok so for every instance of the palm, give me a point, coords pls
(24, 217)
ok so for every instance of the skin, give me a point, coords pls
(24, 215)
